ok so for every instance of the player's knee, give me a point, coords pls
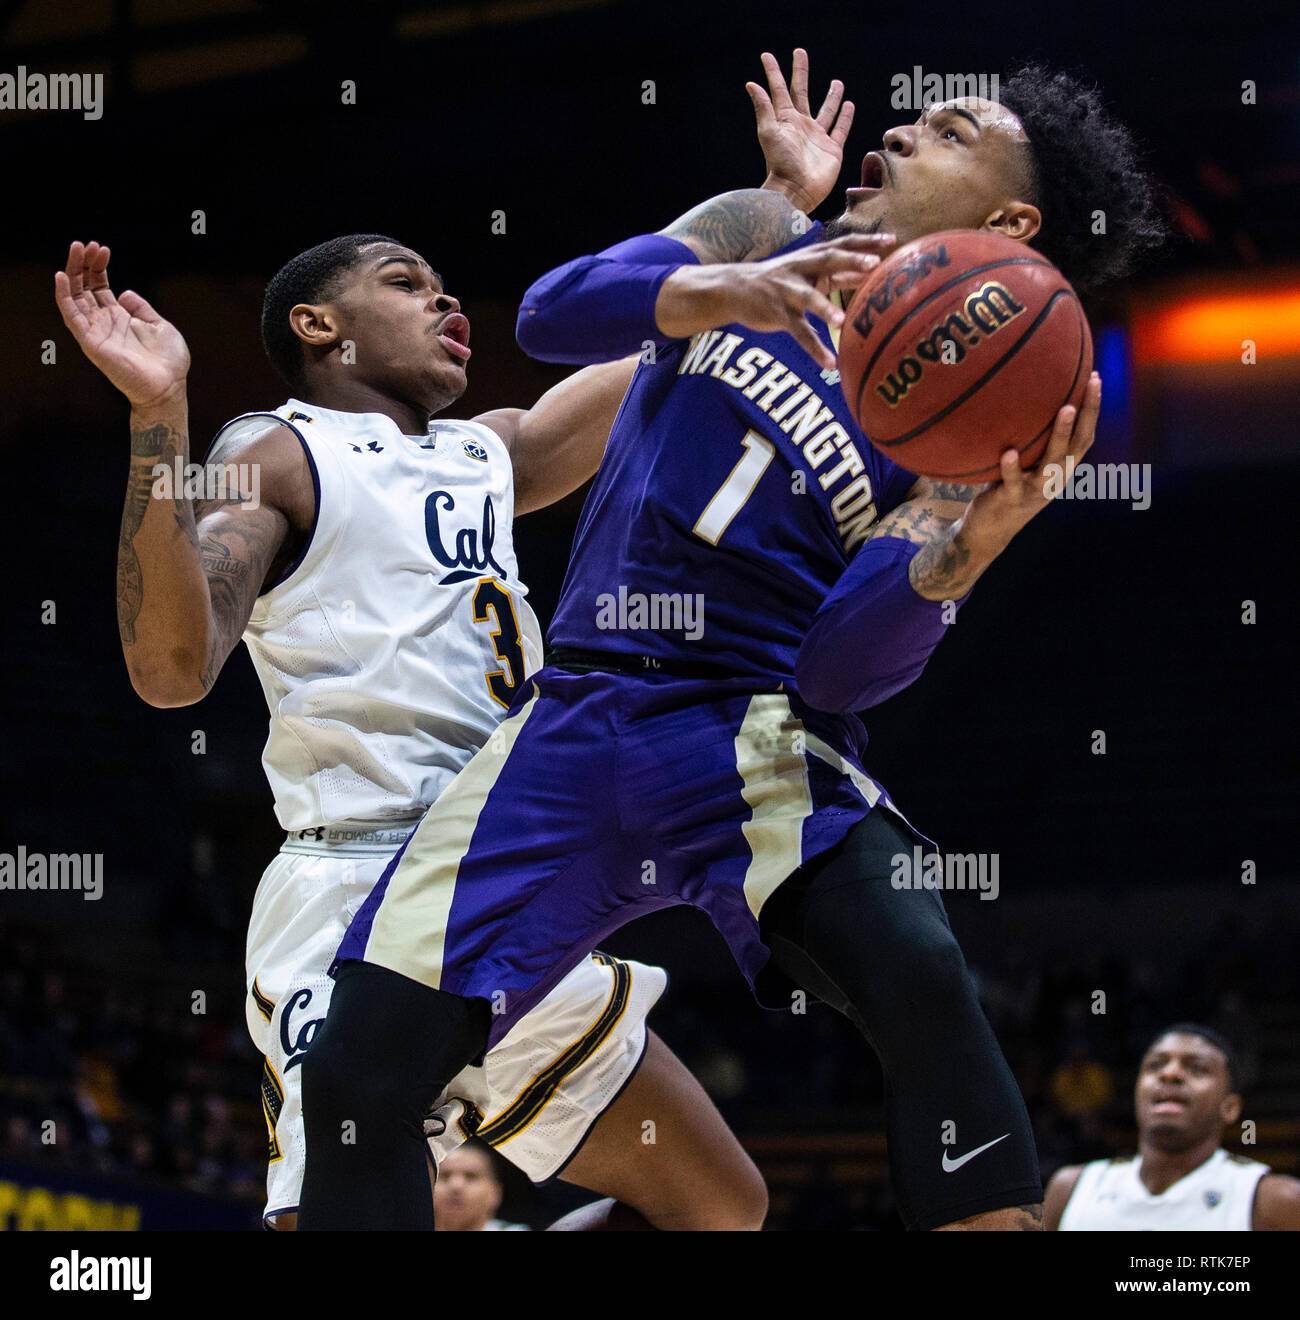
(887, 947)
(734, 1199)
(747, 1200)
(920, 966)
(938, 967)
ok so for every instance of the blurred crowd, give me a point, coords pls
(118, 1074)
(115, 1073)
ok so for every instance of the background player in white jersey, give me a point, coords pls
(1181, 1177)
(371, 570)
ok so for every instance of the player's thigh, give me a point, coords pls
(663, 1148)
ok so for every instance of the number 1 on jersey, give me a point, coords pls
(737, 488)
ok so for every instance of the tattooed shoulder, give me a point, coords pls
(746, 225)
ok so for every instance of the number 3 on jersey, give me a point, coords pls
(493, 604)
(737, 488)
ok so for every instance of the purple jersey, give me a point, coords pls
(734, 491)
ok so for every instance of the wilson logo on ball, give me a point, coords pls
(960, 346)
(990, 308)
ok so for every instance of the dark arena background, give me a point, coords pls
(1112, 717)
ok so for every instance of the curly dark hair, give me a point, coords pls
(1083, 160)
(309, 278)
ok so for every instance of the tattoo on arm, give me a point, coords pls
(230, 556)
(951, 490)
(1029, 1218)
(150, 445)
(738, 226)
(158, 442)
(227, 583)
(940, 569)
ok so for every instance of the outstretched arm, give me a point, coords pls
(653, 289)
(187, 572)
(558, 443)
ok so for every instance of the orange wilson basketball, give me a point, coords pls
(959, 346)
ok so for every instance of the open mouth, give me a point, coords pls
(453, 335)
(874, 172)
(1168, 1105)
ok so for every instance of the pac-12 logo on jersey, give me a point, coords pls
(295, 1046)
(475, 450)
(472, 554)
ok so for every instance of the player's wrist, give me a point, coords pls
(163, 406)
(797, 196)
(947, 569)
(694, 298)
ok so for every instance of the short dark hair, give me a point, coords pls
(309, 278)
(1210, 1037)
(490, 1155)
(1082, 160)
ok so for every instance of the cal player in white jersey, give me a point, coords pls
(364, 552)
(1181, 1178)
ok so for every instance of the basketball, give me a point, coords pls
(959, 346)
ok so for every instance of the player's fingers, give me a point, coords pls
(853, 278)
(1058, 443)
(799, 80)
(75, 266)
(64, 300)
(844, 274)
(134, 305)
(875, 244)
(1013, 479)
(763, 112)
(96, 274)
(835, 261)
(1085, 427)
(775, 81)
(89, 268)
(826, 115)
(840, 131)
(809, 341)
(816, 302)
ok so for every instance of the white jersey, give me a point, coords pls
(391, 649)
(1219, 1194)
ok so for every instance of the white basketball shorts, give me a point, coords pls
(538, 1092)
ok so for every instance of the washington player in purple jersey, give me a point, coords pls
(748, 572)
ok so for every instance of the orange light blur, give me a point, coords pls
(1212, 328)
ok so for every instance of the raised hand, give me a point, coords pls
(143, 355)
(803, 152)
